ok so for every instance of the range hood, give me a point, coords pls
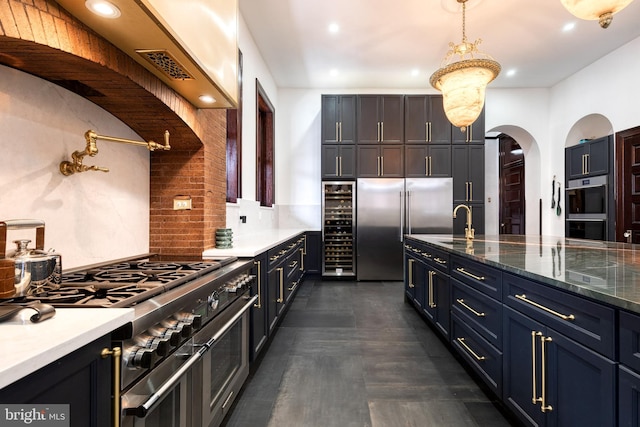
(191, 45)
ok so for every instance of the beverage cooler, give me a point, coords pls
(338, 228)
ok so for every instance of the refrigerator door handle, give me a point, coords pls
(408, 211)
(401, 216)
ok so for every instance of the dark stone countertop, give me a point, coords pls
(605, 271)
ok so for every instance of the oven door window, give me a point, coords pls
(587, 200)
(225, 368)
(225, 361)
(594, 230)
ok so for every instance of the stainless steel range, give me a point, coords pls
(184, 357)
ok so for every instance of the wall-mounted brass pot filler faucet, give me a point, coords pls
(69, 168)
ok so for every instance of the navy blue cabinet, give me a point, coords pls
(259, 323)
(551, 380)
(628, 397)
(427, 285)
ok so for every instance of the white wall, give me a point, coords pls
(541, 120)
(90, 217)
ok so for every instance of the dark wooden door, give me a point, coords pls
(368, 118)
(392, 161)
(512, 204)
(416, 119)
(628, 184)
(392, 119)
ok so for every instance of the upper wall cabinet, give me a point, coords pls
(338, 119)
(380, 119)
(425, 121)
(588, 159)
(474, 134)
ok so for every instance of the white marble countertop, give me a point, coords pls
(249, 246)
(26, 347)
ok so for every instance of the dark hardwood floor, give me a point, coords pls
(354, 354)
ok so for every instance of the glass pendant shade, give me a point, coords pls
(463, 81)
(601, 10)
(463, 85)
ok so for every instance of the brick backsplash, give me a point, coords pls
(41, 38)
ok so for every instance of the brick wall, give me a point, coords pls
(41, 38)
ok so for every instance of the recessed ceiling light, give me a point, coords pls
(568, 27)
(333, 72)
(103, 8)
(512, 72)
(207, 99)
(334, 28)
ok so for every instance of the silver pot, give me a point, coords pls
(33, 268)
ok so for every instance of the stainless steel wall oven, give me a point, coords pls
(588, 203)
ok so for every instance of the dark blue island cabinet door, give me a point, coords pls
(581, 384)
(521, 366)
(414, 280)
(628, 398)
(575, 385)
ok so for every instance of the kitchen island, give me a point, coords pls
(551, 325)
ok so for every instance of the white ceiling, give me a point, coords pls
(380, 42)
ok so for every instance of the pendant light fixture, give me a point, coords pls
(463, 78)
(602, 10)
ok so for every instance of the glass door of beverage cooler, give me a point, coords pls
(338, 228)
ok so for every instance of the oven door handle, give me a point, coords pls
(231, 322)
(142, 410)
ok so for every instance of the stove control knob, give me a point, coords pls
(185, 330)
(138, 357)
(171, 335)
(195, 320)
(213, 300)
(159, 344)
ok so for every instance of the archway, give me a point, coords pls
(533, 201)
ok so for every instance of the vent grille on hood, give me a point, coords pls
(166, 63)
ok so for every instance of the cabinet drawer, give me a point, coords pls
(484, 358)
(587, 322)
(630, 340)
(436, 258)
(481, 277)
(480, 312)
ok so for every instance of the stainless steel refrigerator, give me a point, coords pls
(389, 208)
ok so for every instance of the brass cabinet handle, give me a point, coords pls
(340, 168)
(466, 273)
(378, 131)
(295, 285)
(466, 191)
(302, 255)
(534, 396)
(544, 407)
(470, 191)
(381, 165)
(340, 132)
(432, 303)
(430, 136)
(430, 167)
(473, 353)
(411, 285)
(293, 264)
(462, 303)
(337, 167)
(337, 133)
(426, 166)
(426, 132)
(378, 172)
(381, 131)
(281, 299)
(439, 261)
(523, 297)
(116, 353)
